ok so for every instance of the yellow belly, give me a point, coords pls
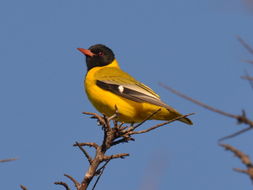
(129, 111)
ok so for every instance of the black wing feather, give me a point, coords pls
(131, 94)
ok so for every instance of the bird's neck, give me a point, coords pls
(114, 63)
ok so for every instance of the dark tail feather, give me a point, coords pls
(186, 120)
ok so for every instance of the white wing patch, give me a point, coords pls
(121, 89)
(138, 88)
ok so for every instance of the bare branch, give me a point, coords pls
(63, 184)
(248, 61)
(159, 125)
(23, 187)
(8, 160)
(90, 144)
(102, 167)
(76, 183)
(247, 77)
(245, 45)
(235, 134)
(89, 158)
(244, 159)
(197, 102)
(240, 170)
(123, 140)
(122, 156)
(240, 118)
(116, 134)
(96, 116)
(149, 117)
(100, 171)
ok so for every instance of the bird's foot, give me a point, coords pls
(115, 115)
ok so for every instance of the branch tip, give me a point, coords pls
(76, 183)
(63, 184)
(89, 158)
(23, 187)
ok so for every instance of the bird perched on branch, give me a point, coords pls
(107, 87)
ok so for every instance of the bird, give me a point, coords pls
(110, 89)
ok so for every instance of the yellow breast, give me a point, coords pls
(105, 101)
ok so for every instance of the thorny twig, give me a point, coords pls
(250, 50)
(160, 124)
(89, 158)
(149, 117)
(8, 160)
(101, 170)
(23, 187)
(113, 134)
(245, 45)
(240, 118)
(244, 159)
(62, 184)
(76, 183)
(248, 61)
(247, 77)
(94, 145)
(235, 134)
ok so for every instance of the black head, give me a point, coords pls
(97, 56)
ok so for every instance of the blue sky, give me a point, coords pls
(189, 45)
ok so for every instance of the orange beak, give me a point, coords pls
(86, 52)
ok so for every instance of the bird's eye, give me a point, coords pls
(100, 53)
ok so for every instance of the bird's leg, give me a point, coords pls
(115, 115)
(112, 117)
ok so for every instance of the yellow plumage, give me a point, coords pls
(109, 88)
(129, 111)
